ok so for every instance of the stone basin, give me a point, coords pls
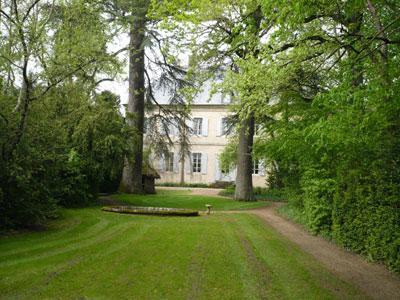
(160, 211)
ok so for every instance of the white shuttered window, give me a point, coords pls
(196, 162)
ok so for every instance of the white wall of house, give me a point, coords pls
(207, 144)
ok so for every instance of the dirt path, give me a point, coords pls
(373, 279)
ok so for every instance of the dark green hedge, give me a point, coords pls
(366, 218)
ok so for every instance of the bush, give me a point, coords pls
(366, 219)
(62, 157)
(317, 200)
(25, 199)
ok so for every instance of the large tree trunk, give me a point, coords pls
(244, 180)
(132, 175)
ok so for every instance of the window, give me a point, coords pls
(256, 167)
(196, 162)
(169, 162)
(225, 127)
(197, 126)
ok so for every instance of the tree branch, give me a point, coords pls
(29, 10)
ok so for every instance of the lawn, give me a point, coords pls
(93, 254)
(184, 199)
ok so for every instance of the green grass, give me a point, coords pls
(174, 184)
(184, 199)
(94, 254)
(261, 194)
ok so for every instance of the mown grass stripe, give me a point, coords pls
(108, 256)
(82, 229)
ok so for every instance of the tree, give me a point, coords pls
(149, 49)
(244, 182)
(50, 73)
(224, 33)
(27, 52)
(327, 76)
(132, 174)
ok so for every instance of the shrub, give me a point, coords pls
(317, 201)
(366, 219)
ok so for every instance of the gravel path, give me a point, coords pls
(372, 278)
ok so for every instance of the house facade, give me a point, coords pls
(207, 141)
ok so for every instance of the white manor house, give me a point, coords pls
(208, 140)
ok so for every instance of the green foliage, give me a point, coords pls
(293, 212)
(317, 200)
(59, 140)
(366, 216)
(229, 154)
(64, 158)
(324, 83)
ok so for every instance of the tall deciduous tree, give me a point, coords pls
(230, 31)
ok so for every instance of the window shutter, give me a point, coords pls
(217, 168)
(176, 162)
(188, 164)
(204, 163)
(233, 174)
(205, 127)
(161, 163)
(189, 123)
(219, 127)
(261, 168)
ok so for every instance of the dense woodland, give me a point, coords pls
(319, 79)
